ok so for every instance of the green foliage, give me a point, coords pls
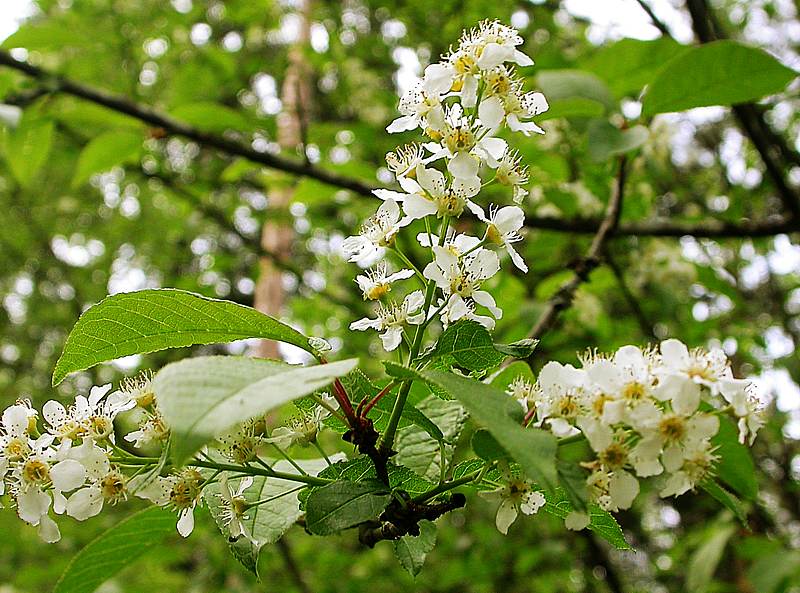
(706, 558)
(600, 521)
(151, 320)
(725, 73)
(606, 140)
(469, 345)
(114, 549)
(27, 146)
(735, 467)
(344, 504)
(560, 85)
(106, 151)
(532, 448)
(411, 551)
(202, 397)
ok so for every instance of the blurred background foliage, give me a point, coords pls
(93, 201)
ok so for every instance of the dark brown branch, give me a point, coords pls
(566, 293)
(172, 126)
(657, 22)
(711, 229)
(291, 565)
(714, 229)
(633, 303)
(751, 120)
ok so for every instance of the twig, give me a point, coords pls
(630, 298)
(565, 295)
(657, 22)
(291, 565)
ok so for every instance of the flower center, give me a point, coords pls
(112, 487)
(633, 391)
(614, 456)
(672, 428)
(36, 471)
(16, 449)
(377, 291)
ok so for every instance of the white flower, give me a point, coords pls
(456, 308)
(430, 195)
(104, 483)
(403, 160)
(512, 173)
(515, 495)
(153, 429)
(378, 282)
(560, 397)
(503, 225)
(687, 467)
(301, 431)
(421, 105)
(703, 368)
(97, 412)
(391, 319)
(376, 233)
(522, 391)
(463, 276)
(180, 492)
(234, 506)
(15, 443)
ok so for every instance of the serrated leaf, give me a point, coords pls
(115, 549)
(719, 73)
(411, 551)
(344, 504)
(150, 320)
(469, 345)
(106, 151)
(600, 522)
(533, 449)
(486, 446)
(519, 349)
(202, 397)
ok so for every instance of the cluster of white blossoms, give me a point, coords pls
(644, 413)
(69, 461)
(460, 105)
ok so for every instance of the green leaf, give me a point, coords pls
(573, 107)
(600, 522)
(719, 73)
(519, 349)
(569, 84)
(202, 397)
(411, 551)
(268, 521)
(423, 454)
(705, 559)
(725, 498)
(629, 64)
(211, 116)
(344, 504)
(106, 151)
(115, 549)
(150, 320)
(486, 446)
(735, 466)
(606, 140)
(770, 573)
(469, 345)
(28, 146)
(533, 449)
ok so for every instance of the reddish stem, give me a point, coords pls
(528, 416)
(375, 399)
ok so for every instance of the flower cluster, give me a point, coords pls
(71, 462)
(460, 105)
(644, 413)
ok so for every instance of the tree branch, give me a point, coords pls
(764, 139)
(565, 295)
(172, 126)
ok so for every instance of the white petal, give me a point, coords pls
(67, 475)
(491, 112)
(623, 489)
(674, 354)
(392, 337)
(576, 521)
(186, 522)
(506, 515)
(387, 194)
(417, 207)
(402, 124)
(438, 79)
(463, 165)
(48, 530)
(85, 503)
(32, 505)
(54, 412)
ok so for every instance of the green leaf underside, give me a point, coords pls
(344, 504)
(533, 449)
(411, 551)
(570, 84)
(703, 563)
(115, 549)
(150, 320)
(202, 397)
(606, 140)
(719, 73)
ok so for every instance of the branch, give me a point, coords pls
(751, 120)
(565, 295)
(714, 229)
(172, 126)
(657, 22)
